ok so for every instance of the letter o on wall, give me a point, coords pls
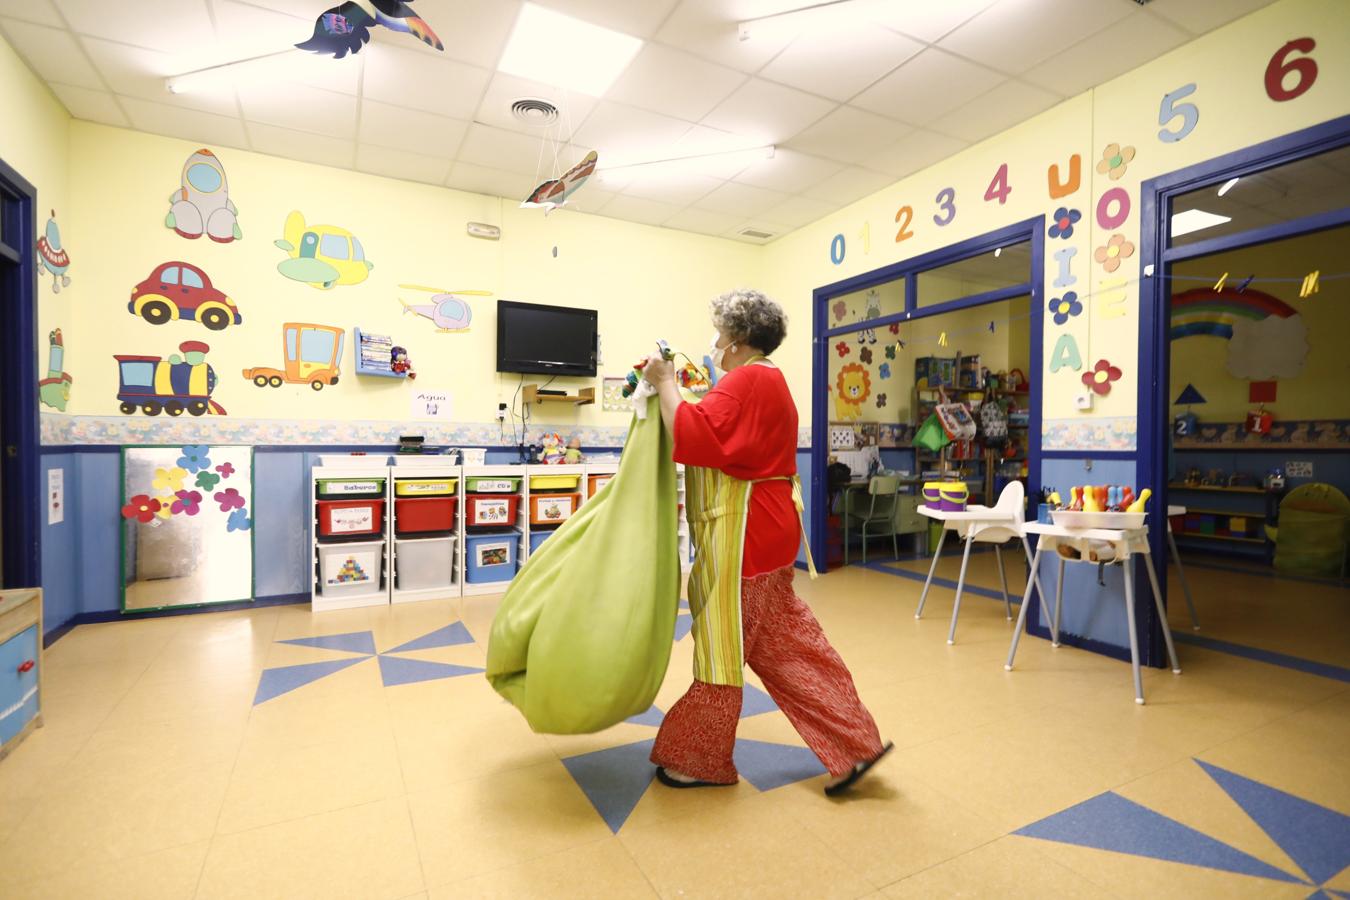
(1118, 198)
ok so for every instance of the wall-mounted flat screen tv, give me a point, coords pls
(536, 339)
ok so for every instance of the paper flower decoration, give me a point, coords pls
(225, 469)
(843, 349)
(238, 521)
(195, 458)
(1113, 251)
(207, 480)
(895, 327)
(881, 401)
(165, 507)
(890, 351)
(840, 310)
(229, 499)
(141, 507)
(865, 354)
(1065, 218)
(168, 479)
(1115, 159)
(1101, 377)
(188, 503)
(885, 370)
(1065, 307)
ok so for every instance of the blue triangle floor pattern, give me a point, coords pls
(393, 670)
(1316, 838)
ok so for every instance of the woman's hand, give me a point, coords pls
(658, 370)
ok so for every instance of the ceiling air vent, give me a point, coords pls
(534, 111)
(755, 233)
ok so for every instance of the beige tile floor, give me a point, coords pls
(156, 776)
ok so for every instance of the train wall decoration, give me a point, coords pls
(174, 385)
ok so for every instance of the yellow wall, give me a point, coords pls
(1228, 65)
(35, 142)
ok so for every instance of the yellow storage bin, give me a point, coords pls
(563, 482)
(425, 487)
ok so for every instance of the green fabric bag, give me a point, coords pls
(931, 435)
(583, 636)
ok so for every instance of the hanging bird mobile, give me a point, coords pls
(553, 193)
(346, 29)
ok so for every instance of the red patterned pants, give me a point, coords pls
(786, 648)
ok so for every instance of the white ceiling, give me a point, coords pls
(850, 111)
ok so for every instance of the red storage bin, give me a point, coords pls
(424, 514)
(494, 510)
(350, 518)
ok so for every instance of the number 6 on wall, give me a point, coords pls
(1170, 109)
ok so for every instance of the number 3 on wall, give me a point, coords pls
(946, 201)
(1170, 109)
(1280, 66)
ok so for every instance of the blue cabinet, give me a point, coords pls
(20, 665)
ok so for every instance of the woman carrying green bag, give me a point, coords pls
(739, 447)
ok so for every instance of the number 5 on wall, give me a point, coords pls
(1170, 109)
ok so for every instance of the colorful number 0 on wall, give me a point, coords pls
(837, 249)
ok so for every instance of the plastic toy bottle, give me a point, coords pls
(1138, 505)
(1090, 503)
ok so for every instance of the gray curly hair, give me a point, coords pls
(750, 317)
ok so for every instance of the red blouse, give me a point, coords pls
(747, 428)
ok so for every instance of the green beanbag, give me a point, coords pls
(583, 636)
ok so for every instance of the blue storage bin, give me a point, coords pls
(490, 557)
(537, 537)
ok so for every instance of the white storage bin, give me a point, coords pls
(427, 460)
(350, 569)
(348, 461)
(423, 564)
(473, 456)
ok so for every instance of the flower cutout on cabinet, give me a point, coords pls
(1065, 218)
(225, 469)
(1101, 377)
(885, 370)
(141, 507)
(188, 503)
(168, 479)
(1113, 251)
(1115, 160)
(843, 349)
(1065, 307)
(238, 521)
(865, 354)
(840, 310)
(881, 401)
(229, 499)
(207, 480)
(195, 458)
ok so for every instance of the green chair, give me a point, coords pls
(877, 516)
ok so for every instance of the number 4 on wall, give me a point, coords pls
(998, 188)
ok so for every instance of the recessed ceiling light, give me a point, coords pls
(558, 50)
(1227, 186)
(1196, 220)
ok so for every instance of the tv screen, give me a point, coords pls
(545, 340)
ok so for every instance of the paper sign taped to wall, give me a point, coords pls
(1299, 469)
(56, 496)
(430, 405)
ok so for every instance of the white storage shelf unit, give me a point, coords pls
(426, 565)
(363, 560)
(516, 528)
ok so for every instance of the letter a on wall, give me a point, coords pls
(1066, 354)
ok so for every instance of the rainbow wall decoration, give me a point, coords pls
(1202, 311)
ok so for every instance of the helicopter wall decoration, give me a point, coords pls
(447, 310)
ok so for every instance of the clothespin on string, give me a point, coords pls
(1218, 285)
(942, 339)
(991, 326)
(1242, 288)
(1309, 284)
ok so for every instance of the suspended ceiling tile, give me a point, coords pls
(1012, 36)
(720, 154)
(133, 72)
(1200, 16)
(1115, 50)
(795, 212)
(92, 106)
(491, 181)
(590, 200)
(849, 134)
(678, 189)
(169, 25)
(849, 185)
(248, 31)
(636, 17)
(707, 28)
(669, 81)
(789, 171)
(420, 81)
(928, 22)
(520, 153)
(40, 12)
(839, 64)
(52, 52)
(1005, 106)
(703, 221)
(401, 164)
(640, 209)
(926, 87)
(301, 108)
(471, 31)
(504, 89)
(741, 200)
(623, 134)
(312, 148)
(914, 152)
(412, 130)
(188, 124)
(768, 112)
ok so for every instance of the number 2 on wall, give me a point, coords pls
(1170, 109)
(946, 201)
(907, 214)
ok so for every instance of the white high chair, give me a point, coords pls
(995, 525)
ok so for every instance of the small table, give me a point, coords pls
(1176, 558)
(1124, 543)
(968, 524)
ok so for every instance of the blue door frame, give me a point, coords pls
(1156, 196)
(1029, 230)
(20, 501)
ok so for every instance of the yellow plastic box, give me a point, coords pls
(563, 482)
(425, 487)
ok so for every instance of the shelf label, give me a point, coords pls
(1299, 469)
(351, 521)
(492, 512)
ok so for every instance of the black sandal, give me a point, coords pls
(859, 770)
(665, 779)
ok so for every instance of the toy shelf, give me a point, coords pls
(1215, 488)
(518, 527)
(418, 544)
(376, 343)
(321, 545)
(584, 397)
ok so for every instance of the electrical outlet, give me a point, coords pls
(501, 412)
(1083, 401)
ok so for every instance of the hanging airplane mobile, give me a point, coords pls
(346, 29)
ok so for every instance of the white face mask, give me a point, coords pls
(718, 353)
